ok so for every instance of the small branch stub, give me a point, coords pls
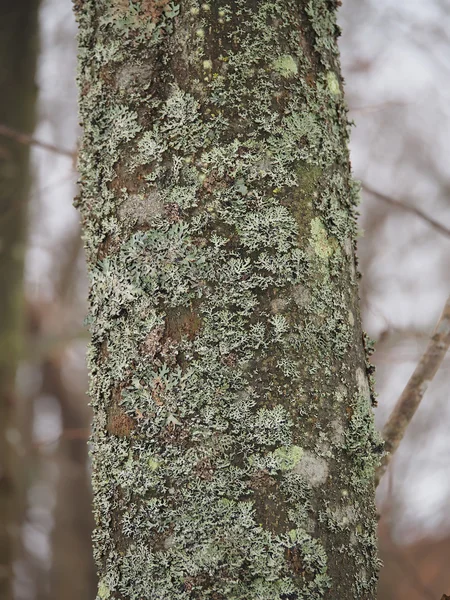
(443, 229)
(28, 140)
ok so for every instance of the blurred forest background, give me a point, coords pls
(396, 63)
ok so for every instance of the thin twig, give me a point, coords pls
(412, 395)
(24, 138)
(377, 107)
(71, 434)
(412, 209)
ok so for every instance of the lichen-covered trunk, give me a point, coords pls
(18, 50)
(233, 446)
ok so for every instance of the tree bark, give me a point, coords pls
(18, 51)
(233, 443)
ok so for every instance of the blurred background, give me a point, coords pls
(396, 63)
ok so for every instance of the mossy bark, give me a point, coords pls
(18, 51)
(233, 443)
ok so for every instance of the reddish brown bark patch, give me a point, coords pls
(151, 9)
(119, 423)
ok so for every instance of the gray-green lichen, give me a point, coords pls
(217, 207)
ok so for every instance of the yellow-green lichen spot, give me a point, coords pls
(152, 464)
(333, 83)
(288, 457)
(103, 590)
(285, 65)
(320, 241)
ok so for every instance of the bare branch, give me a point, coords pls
(24, 138)
(412, 395)
(412, 209)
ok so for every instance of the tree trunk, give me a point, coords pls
(18, 51)
(233, 444)
(72, 575)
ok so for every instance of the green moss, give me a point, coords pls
(309, 177)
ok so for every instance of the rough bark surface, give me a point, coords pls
(18, 50)
(233, 444)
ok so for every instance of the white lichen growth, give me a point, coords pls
(363, 384)
(141, 208)
(313, 468)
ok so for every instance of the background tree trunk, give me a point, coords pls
(18, 51)
(233, 445)
(72, 575)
